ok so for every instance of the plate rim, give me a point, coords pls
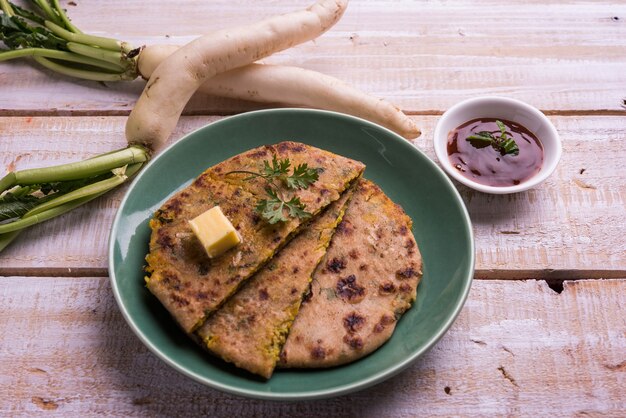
(302, 395)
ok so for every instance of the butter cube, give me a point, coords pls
(214, 231)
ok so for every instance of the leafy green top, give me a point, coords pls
(503, 143)
(17, 33)
(17, 201)
(273, 208)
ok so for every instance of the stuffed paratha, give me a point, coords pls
(365, 282)
(180, 274)
(250, 329)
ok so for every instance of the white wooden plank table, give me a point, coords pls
(544, 329)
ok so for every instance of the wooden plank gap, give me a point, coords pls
(548, 274)
(585, 112)
(203, 112)
(54, 272)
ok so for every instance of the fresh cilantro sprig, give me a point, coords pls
(503, 143)
(302, 177)
(273, 208)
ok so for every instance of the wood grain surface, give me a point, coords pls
(553, 347)
(423, 56)
(518, 348)
(566, 228)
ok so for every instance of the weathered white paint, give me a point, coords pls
(423, 56)
(518, 348)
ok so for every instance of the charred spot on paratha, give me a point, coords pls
(354, 343)
(336, 264)
(164, 240)
(353, 322)
(382, 324)
(349, 290)
(318, 352)
(405, 287)
(345, 228)
(387, 288)
(406, 273)
(410, 246)
(284, 147)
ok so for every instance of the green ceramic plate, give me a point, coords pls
(441, 225)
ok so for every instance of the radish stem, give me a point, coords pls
(79, 73)
(66, 20)
(112, 57)
(8, 181)
(106, 43)
(94, 188)
(44, 216)
(77, 170)
(65, 202)
(6, 239)
(52, 16)
(6, 7)
(60, 55)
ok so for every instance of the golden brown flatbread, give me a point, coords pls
(250, 329)
(180, 274)
(365, 282)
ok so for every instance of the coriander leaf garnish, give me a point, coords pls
(274, 207)
(278, 169)
(297, 208)
(271, 209)
(302, 177)
(503, 143)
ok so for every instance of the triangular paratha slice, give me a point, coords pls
(366, 281)
(180, 274)
(250, 329)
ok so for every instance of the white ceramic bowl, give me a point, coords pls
(499, 108)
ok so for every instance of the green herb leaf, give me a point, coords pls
(481, 139)
(21, 199)
(302, 177)
(273, 209)
(278, 168)
(502, 127)
(297, 208)
(27, 14)
(509, 147)
(503, 143)
(16, 33)
(13, 207)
